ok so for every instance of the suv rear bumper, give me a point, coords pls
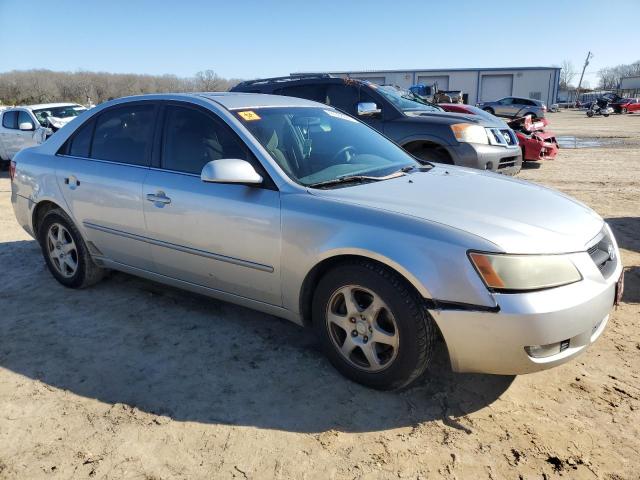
(507, 160)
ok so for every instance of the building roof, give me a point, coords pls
(399, 70)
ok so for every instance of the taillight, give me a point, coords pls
(12, 169)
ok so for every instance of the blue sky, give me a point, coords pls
(251, 38)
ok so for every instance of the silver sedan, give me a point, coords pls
(298, 210)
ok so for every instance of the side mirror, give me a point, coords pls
(368, 109)
(230, 170)
(26, 126)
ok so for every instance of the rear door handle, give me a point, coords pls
(159, 199)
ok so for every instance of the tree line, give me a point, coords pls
(24, 87)
(608, 78)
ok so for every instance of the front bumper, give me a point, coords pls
(507, 160)
(494, 342)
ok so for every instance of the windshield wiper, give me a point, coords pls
(356, 178)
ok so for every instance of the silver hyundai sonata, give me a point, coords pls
(293, 208)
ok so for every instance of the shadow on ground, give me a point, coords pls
(191, 358)
(626, 231)
(531, 165)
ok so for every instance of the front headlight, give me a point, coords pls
(524, 272)
(469, 133)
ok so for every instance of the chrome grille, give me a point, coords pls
(603, 253)
(509, 137)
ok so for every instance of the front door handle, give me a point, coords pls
(159, 199)
(72, 181)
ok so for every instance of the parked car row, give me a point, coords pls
(295, 208)
(515, 107)
(25, 126)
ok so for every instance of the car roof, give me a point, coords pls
(238, 100)
(51, 105)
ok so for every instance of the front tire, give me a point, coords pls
(489, 110)
(624, 110)
(589, 113)
(372, 325)
(65, 252)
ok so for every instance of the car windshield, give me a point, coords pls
(405, 100)
(319, 145)
(57, 112)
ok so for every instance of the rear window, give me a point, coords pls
(124, 135)
(81, 141)
(10, 119)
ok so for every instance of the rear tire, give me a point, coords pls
(65, 252)
(401, 334)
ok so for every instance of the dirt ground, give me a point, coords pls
(131, 379)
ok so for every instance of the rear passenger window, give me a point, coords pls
(10, 120)
(193, 138)
(124, 135)
(81, 141)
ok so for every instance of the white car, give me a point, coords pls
(31, 125)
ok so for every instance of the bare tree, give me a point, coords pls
(567, 74)
(610, 77)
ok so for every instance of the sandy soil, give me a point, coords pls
(131, 379)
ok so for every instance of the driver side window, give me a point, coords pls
(191, 139)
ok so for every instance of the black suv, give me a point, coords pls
(421, 128)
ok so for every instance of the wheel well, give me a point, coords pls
(39, 212)
(421, 145)
(317, 272)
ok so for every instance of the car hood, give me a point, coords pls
(516, 216)
(454, 117)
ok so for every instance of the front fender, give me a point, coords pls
(430, 256)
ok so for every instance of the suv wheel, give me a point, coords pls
(433, 154)
(65, 252)
(372, 326)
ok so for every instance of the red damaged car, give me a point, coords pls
(536, 143)
(627, 105)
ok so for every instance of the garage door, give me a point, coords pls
(442, 81)
(495, 87)
(376, 80)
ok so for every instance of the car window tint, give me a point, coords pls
(24, 117)
(124, 135)
(193, 138)
(10, 119)
(343, 97)
(81, 141)
(309, 92)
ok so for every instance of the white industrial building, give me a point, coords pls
(480, 84)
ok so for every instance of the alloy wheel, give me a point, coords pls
(62, 250)
(362, 328)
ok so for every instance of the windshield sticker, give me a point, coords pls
(342, 116)
(249, 115)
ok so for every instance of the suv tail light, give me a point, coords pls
(12, 170)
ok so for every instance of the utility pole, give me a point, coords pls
(586, 62)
